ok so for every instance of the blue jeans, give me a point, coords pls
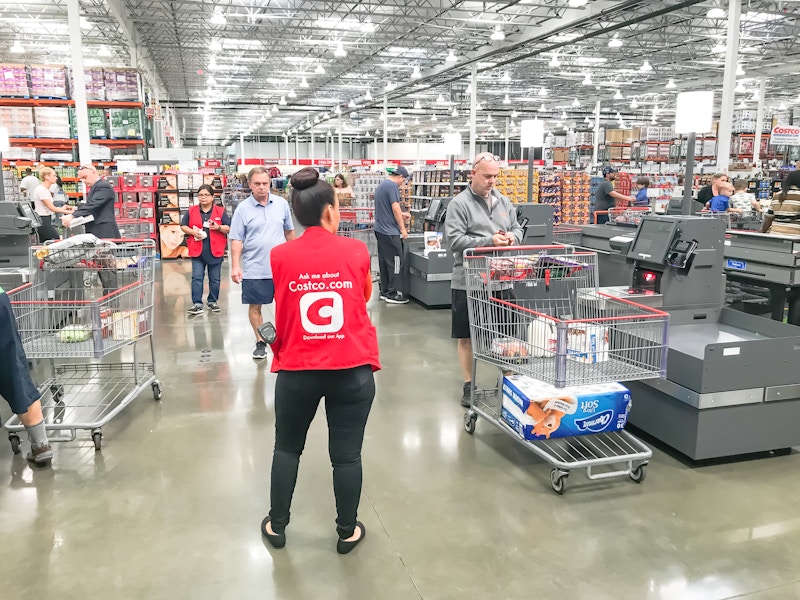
(199, 267)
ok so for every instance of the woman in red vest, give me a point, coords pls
(326, 346)
(206, 227)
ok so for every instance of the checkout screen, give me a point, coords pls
(653, 241)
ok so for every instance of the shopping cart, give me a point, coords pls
(86, 300)
(564, 234)
(725, 217)
(134, 229)
(747, 221)
(627, 216)
(533, 311)
(359, 223)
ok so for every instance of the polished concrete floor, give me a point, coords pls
(171, 506)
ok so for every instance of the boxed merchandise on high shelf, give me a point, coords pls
(550, 193)
(51, 122)
(125, 123)
(48, 81)
(11, 191)
(95, 83)
(98, 128)
(575, 197)
(14, 81)
(364, 185)
(513, 183)
(431, 183)
(18, 120)
(121, 84)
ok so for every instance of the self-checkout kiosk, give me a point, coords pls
(732, 384)
(18, 225)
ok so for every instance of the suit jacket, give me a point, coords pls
(100, 204)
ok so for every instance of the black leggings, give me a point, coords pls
(348, 398)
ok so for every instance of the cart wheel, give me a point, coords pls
(97, 438)
(13, 438)
(469, 422)
(57, 391)
(157, 390)
(558, 479)
(639, 474)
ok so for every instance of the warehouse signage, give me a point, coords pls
(785, 135)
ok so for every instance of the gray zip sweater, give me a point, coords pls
(470, 224)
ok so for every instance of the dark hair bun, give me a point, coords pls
(305, 178)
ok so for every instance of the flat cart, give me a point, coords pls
(526, 305)
(86, 300)
(359, 223)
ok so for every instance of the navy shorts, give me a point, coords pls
(16, 385)
(258, 291)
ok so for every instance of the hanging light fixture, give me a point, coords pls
(554, 62)
(543, 92)
(218, 18)
(455, 112)
(320, 70)
(671, 84)
(303, 82)
(756, 95)
(782, 106)
(739, 70)
(368, 95)
(575, 103)
(351, 104)
(398, 112)
(514, 114)
(542, 108)
(215, 45)
(506, 100)
(497, 34)
(506, 78)
(340, 51)
(742, 104)
(634, 104)
(719, 48)
(434, 118)
(587, 80)
(618, 95)
(615, 42)
(211, 81)
(740, 89)
(646, 67)
(564, 115)
(586, 120)
(478, 107)
(415, 74)
(451, 57)
(17, 48)
(440, 99)
(417, 105)
(292, 94)
(282, 101)
(716, 13)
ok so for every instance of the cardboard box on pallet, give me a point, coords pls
(537, 410)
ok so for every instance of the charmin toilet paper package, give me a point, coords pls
(587, 343)
(537, 410)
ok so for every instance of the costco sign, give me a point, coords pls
(785, 135)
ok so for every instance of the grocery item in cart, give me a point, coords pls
(542, 337)
(513, 268)
(537, 410)
(70, 252)
(74, 333)
(587, 343)
(510, 348)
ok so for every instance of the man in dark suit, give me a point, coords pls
(100, 204)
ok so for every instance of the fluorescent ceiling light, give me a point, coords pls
(586, 61)
(299, 59)
(218, 18)
(497, 34)
(104, 52)
(215, 46)
(716, 13)
(720, 48)
(86, 23)
(320, 70)
(451, 57)
(367, 27)
(671, 84)
(340, 51)
(486, 65)
(415, 74)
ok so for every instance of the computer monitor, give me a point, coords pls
(653, 240)
(433, 210)
(26, 211)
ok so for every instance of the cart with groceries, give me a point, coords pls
(561, 346)
(359, 223)
(87, 299)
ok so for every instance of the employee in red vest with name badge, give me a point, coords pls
(325, 346)
(206, 227)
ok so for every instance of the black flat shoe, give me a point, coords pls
(343, 547)
(277, 540)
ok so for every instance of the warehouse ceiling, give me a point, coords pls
(272, 67)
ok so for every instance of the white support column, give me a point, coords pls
(241, 150)
(385, 131)
(596, 136)
(762, 91)
(728, 87)
(286, 138)
(332, 152)
(79, 89)
(508, 127)
(313, 155)
(296, 148)
(341, 162)
(473, 113)
(375, 145)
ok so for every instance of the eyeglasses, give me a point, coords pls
(486, 157)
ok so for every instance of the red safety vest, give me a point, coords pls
(321, 316)
(218, 239)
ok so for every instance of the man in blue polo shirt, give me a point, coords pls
(390, 230)
(261, 222)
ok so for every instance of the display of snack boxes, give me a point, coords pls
(14, 81)
(48, 81)
(125, 123)
(95, 83)
(538, 411)
(575, 197)
(18, 120)
(550, 193)
(98, 128)
(51, 122)
(121, 84)
(513, 183)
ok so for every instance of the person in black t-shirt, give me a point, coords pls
(605, 196)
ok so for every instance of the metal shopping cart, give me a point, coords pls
(532, 311)
(134, 229)
(564, 234)
(359, 223)
(725, 217)
(66, 315)
(627, 215)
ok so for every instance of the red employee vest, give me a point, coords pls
(320, 313)
(218, 239)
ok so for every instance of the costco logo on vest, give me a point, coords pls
(322, 312)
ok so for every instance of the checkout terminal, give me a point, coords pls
(18, 225)
(732, 385)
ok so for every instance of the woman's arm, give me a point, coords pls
(767, 223)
